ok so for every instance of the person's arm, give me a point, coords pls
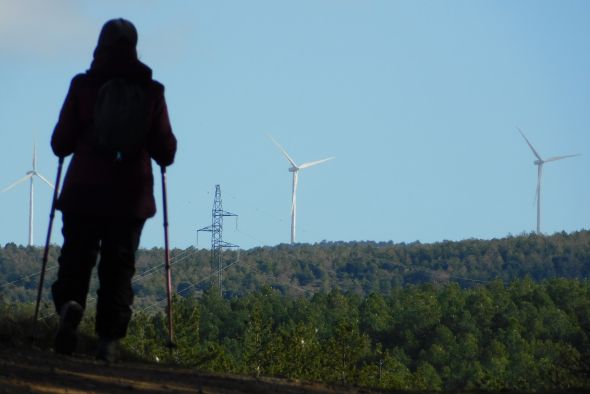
(161, 140)
(67, 130)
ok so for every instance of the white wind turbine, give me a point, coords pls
(539, 163)
(295, 170)
(30, 175)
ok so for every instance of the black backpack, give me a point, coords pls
(120, 118)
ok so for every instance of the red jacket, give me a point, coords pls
(95, 184)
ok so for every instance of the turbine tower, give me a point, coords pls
(295, 170)
(30, 175)
(539, 163)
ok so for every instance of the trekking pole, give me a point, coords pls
(46, 251)
(170, 343)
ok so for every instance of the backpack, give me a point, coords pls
(120, 118)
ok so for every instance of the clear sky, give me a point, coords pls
(418, 100)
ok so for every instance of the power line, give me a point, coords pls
(174, 260)
(22, 278)
(279, 219)
(183, 256)
(206, 279)
(156, 268)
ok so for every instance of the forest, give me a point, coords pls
(299, 270)
(524, 336)
(505, 314)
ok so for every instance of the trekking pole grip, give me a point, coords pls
(164, 195)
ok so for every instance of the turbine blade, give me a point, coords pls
(283, 150)
(45, 180)
(530, 145)
(16, 183)
(561, 157)
(313, 163)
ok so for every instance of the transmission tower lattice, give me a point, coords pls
(217, 242)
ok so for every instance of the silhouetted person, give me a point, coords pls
(107, 196)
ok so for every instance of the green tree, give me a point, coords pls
(426, 378)
(344, 350)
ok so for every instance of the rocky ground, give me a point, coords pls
(32, 370)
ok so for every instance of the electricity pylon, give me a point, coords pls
(216, 230)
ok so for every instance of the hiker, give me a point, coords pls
(108, 189)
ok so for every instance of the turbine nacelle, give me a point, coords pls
(538, 162)
(293, 169)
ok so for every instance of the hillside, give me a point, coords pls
(303, 270)
(507, 314)
(524, 336)
(29, 370)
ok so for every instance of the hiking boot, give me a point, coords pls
(66, 338)
(108, 350)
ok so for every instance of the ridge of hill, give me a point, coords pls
(305, 269)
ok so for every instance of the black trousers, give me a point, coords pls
(117, 240)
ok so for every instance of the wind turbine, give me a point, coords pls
(295, 170)
(539, 163)
(30, 175)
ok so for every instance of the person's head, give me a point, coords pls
(117, 39)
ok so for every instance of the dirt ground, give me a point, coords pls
(30, 370)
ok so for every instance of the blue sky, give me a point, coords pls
(418, 100)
